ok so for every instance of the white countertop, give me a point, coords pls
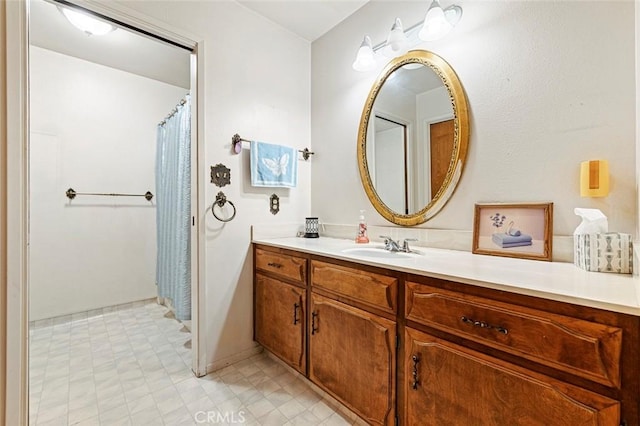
(550, 280)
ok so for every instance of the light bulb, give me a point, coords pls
(396, 41)
(365, 60)
(436, 24)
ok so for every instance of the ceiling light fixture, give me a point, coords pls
(86, 23)
(437, 23)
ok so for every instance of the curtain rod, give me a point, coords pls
(174, 111)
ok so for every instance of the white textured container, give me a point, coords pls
(605, 252)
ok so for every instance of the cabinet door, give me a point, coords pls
(280, 320)
(448, 384)
(352, 355)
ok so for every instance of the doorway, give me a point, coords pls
(88, 253)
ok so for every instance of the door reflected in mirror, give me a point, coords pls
(387, 156)
(413, 138)
(407, 163)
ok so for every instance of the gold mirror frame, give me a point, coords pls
(460, 143)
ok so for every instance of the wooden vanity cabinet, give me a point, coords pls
(478, 356)
(280, 306)
(396, 347)
(446, 383)
(352, 356)
(352, 337)
(280, 320)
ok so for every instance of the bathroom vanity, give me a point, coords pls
(447, 337)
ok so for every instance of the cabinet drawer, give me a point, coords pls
(283, 265)
(375, 290)
(449, 384)
(582, 348)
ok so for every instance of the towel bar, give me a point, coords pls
(236, 147)
(71, 194)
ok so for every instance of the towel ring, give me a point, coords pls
(220, 201)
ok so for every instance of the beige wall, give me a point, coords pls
(3, 214)
(545, 90)
(15, 125)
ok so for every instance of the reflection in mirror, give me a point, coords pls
(387, 157)
(408, 175)
(413, 138)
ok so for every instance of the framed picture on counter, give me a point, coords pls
(522, 230)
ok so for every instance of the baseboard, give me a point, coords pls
(217, 365)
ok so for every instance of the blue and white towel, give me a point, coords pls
(273, 165)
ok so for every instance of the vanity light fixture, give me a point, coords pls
(365, 59)
(86, 23)
(594, 178)
(436, 24)
(397, 42)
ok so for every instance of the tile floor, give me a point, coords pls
(130, 365)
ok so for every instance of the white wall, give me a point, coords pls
(256, 83)
(545, 89)
(93, 129)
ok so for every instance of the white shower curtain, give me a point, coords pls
(173, 187)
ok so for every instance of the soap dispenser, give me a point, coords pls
(362, 229)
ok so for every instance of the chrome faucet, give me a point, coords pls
(391, 245)
(405, 244)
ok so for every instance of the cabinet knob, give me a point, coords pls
(274, 265)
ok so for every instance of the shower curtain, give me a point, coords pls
(173, 212)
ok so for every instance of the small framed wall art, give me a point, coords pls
(523, 230)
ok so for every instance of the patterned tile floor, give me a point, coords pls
(130, 365)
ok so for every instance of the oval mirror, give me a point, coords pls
(413, 138)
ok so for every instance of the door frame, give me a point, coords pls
(16, 393)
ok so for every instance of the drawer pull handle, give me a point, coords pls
(314, 329)
(415, 382)
(274, 265)
(295, 313)
(483, 324)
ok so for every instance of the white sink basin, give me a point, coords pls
(377, 252)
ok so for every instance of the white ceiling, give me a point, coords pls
(120, 49)
(132, 52)
(310, 19)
